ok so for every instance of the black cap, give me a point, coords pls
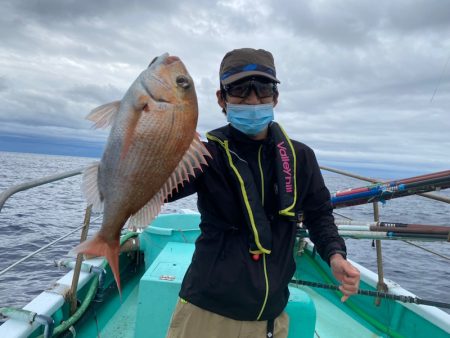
(244, 62)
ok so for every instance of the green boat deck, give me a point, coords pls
(122, 324)
(154, 298)
(333, 322)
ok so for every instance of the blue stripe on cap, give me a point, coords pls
(251, 66)
(246, 68)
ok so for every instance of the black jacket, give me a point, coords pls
(224, 277)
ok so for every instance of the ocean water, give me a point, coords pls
(32, 218)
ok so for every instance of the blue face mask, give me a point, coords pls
(250, 119)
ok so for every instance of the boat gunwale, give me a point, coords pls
(432, 314)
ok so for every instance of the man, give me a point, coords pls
(257, 186)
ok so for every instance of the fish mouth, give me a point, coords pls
(165, 59)
(171, 59)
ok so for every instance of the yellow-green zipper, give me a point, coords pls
(244, 193)
(266, 277)
(262, 175)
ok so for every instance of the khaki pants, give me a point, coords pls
(190, 321)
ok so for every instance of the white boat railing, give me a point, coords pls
(35, 183)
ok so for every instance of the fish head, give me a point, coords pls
(167, 80)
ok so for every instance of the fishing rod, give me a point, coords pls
(392, 225)
(387, 230)
(398, 228)
(379, 294)
(358, 234)
(380, 192)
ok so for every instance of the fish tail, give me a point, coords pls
(98, 246)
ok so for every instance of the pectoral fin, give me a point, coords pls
(104, 115)
(151, 105)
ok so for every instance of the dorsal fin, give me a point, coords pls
(104, 115)
(89, 186)
(192, 159)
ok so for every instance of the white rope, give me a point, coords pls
(428, 250)
(43, 248)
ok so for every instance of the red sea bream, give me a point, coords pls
(152, 147)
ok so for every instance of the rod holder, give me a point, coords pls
(77, 269)
(381, 285)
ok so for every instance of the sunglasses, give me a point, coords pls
(243, 89)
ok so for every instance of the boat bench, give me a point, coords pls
(160, 285)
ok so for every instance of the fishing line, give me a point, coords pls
(343, 216)
(428, 250)
(440, 79)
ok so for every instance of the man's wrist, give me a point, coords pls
(337, 254)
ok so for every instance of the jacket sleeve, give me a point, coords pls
(318, 211)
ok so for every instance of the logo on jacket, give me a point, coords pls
(286, 166)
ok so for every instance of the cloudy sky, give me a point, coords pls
(366, 84)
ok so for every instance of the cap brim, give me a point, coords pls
(242, 75)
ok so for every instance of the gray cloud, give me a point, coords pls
(357, 78)
(93, 93)
(3, 84)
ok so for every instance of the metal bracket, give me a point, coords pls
(30, 317)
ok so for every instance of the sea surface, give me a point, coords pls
(33, 218)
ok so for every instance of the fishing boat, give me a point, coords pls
(85, 302)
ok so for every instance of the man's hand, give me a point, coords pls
(345, 273)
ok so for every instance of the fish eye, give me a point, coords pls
(183, 81)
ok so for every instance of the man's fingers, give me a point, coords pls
(351, 271)
(350, 279)
(345, 294)
(348, 290)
